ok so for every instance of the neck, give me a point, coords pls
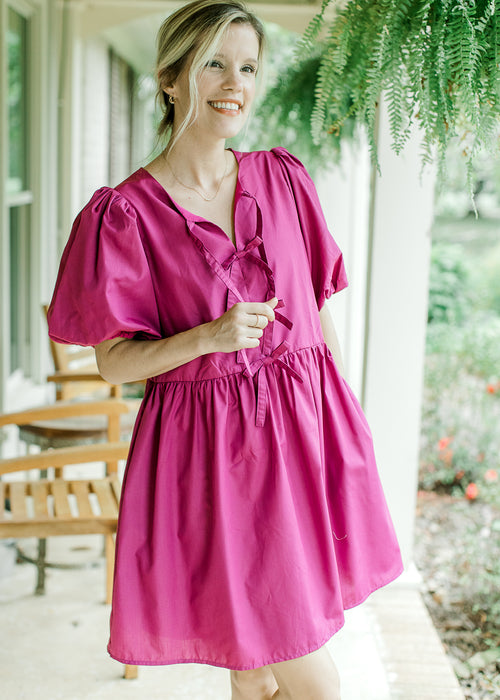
(197, 162)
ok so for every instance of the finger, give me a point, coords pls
(272, 302)
(254, 332)
(260, 308)
(257, 320)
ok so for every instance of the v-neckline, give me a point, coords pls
(197, 218)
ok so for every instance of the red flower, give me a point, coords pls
(491, 475)
(460, 474)
(491, 388)
(444, 442)
(471, 492)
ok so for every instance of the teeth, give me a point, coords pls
(225, 105)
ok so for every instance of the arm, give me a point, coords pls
(331, 338)
(120, 360)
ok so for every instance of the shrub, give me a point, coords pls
(448, 284)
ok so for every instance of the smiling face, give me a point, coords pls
(226, 85)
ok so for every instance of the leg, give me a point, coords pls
(40, 567)
(130, 672)
(256, 684)
(310, 677)
(109, 545)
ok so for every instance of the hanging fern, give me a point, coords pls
(283, 117)
(437, 62)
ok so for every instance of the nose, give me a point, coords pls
(232, 79)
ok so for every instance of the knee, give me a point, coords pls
(253, 683)
(308, 678)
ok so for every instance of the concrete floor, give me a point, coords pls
(54, 647)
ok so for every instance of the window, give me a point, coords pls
(19, 195)
(121, 95)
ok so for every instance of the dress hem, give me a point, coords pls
(313, 647)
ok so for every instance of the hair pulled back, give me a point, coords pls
(195, 29)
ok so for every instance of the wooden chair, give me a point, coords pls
(47, 507)
(50, 507)
(76, 371)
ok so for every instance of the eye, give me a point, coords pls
(213, 63)
(249, 69)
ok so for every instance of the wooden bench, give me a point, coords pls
(52, 507)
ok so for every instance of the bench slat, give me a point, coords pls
(61, 457)
(50, 527)
(59, 490)
(81, 490)
(115, 485)
(106, 498)
(17, 498)
(39, 492)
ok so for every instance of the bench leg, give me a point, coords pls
(40, 567)
(130, 672)
(109, 544)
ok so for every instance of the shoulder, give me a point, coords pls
(118, 201)
(109, 215)
(276, 154)
(275, 164)
(106, 200)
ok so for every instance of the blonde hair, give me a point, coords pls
(195, 29)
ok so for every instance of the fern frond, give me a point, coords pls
(306, 44)
(437, 61)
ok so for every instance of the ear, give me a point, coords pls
(164, 80)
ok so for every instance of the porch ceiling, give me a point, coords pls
(130, 26)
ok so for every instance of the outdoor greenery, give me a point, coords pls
(436, 60)
(284, 103)
(460, 437)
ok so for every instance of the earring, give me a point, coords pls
(171, 99)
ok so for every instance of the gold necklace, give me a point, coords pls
(188, 187)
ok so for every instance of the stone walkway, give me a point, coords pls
(53, 647)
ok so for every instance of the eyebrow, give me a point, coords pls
(246, 60)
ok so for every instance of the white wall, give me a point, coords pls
(94, 137)
(345, 197)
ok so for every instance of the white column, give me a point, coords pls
(381, 317)
(397, 283)
(345, 198)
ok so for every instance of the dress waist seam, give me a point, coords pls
(155, 380)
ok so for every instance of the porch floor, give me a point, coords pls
(54, 646)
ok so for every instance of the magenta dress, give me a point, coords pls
(252, 513)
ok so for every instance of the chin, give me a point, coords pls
(233, 130)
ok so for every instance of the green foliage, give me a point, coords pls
(473, 345)
(448, 285)
(478, 566)
(285, 115)
(487, 282)
(460, 441)
(282, 116)
(438, 62)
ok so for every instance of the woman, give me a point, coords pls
(252, 514)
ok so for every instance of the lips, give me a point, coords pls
(233, 106)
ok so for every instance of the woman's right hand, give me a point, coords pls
(128, 360)
(242, 325)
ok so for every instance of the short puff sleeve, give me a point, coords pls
(104, 288)
(327, 266)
